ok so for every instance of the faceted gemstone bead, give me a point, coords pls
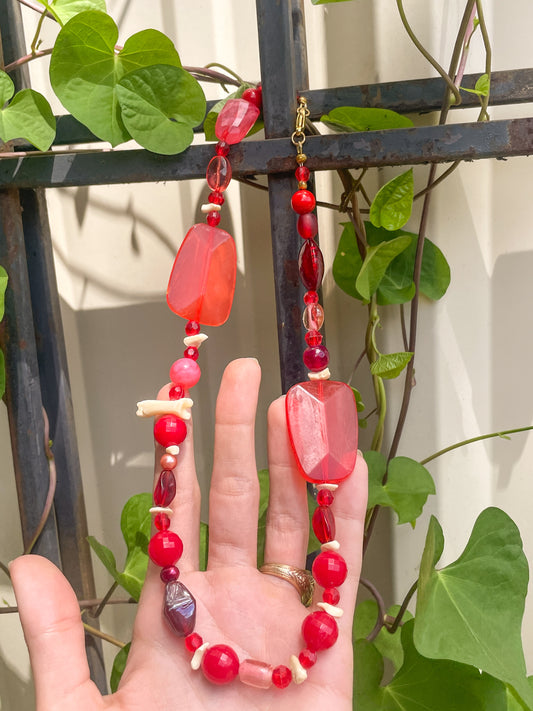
(255, 673)
(165, 548)
(235, 120)
(329, 569)
(191, 352)
(169, 574)
(302, 173)
(307, 658)
(218, 173)
(313, 317)
(165, 489)
(324, 524)
(220, 664)
(322, 423)
(179, 608)
(313, 338)
(281, 676)
(254, 95)
(185, 372)
(169, 430)
(192, 328)
(213, 218)
(311, 264)
(320, 631)
(307, 225)
(222, 149)
(316, 358)
(168, 461)
(161, 522)
(303, 201)
(324, 497)
(176, 393)
(310, 297)
(193, 641)
(216, 198)
(202, 281)
(331, 596)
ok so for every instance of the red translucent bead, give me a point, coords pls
(324, 524)
(168, 461)
(254, 95)
(329, 569)
(281, 676)
(316, 358)
(307, 658)
(331, 596)
(313, 338)
(191, 352)
(303, 201)
(216, 198)
(192, 328)
(324, 497)
(165, 548)
(193, 641)
(169, 574)
(165, 489)
(235, 120)
(218, 173)
(313, 317)
(311, 264)
(220, 664)
(169, 430)
(176, 393)
(320, 631)
(310, 297)
(202, 281)
(322, 424)
(162, 522)
(213, 218)
(185, 372)
(222, 149)
(307, 225)
(302, 174)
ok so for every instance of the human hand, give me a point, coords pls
(259, 616)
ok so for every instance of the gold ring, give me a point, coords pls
(300, 579)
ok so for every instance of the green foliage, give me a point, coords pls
(64, 10)
(204, 545)
(355, 118)
(211, 118)
(264, 493)
(391, 208)
(481, 87)
(27, 116)
(119, 664)
(390, 365)
(388, 645)
(325, 2)
(471, 610)
(376, 263)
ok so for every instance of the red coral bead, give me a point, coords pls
(192, 328)
(311, 264)
(169, 430)
(324, 524)
(213, 218)
(324, 497)
(193, 641)
(254, 95)
(165, 548)
(169, 574)
(329, 569)
(331, 596)
(220, 664)
(303, 201)
(281, 676)
(320, 631)
(316, 358)
(307, 658)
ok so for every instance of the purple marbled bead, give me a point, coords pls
(179, 608)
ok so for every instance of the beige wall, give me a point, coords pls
(115, 246)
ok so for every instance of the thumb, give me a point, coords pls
(53, 629)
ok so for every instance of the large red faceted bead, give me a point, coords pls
(311, 265)
(202, 281)
(324, 524)
(218, 174)
(169, 430)
(322, 424)
(165, 548)
(220, 664)
(165, 489)
(329, 569)
(235, 120)
(320, 631)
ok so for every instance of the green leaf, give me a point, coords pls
(481, 88)
(105, 556)
(348, 262)
(65, 9)
(390, 365)
(391, 208)
(407, 488)
(325, 2)
(160, 106)
(471, 611)
(2, 374)
(27, 116)
(119, 665)
(313, 543)
(376, 262)
(422, 684)
(360, 405)
(388, 645)
(3, 286)
(132, 579)
(135, 523)
(204, 545)
(264, 493)
(356, 118)
(211, 118)
(85, 70)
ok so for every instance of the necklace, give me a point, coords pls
(321, 413)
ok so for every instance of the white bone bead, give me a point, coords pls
(299, 674)
(332, 610)
(322, 375)
(210, 207)
(198, 655)
(162, 510)
(195, 341)
(154, 408)
(327, 487)
(331, 546)
(173, 449)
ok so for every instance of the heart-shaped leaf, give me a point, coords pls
(348, 262)
(391, 208)
(390, 365)
(357, 118)
(388, 645)
(27, 116)
(64, 10)
(376, 262)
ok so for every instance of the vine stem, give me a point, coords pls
(5, 569)
(27, 58)
(483, 116)
(382, 612)
(84, 604)
(464, 442)
(401, 612)
(37, 8)
(105, 600)
(102, 635)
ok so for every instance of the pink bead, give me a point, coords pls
(311, 264)
(320, 631)
(169, 574)
(313, 317)
(324, 497)
(316, 358)
(165, 489)
(220, 664)
(324, 524)
(307, 658)
(165, 548)
(170, 430)
(331, 596)
(185, 372)
(213, 218)
(192, 328)
(303, 201)
(281, 676)
(168, 461)
(329, 569)
(218, 174)
(235, 120)
(193, 641)
(255, 673)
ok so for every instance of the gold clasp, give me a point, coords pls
(302, 112)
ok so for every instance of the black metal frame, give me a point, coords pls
(31, 333)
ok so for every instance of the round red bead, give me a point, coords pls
(185, 372)
(193, 641)
(220, 664)
(213, 218)
(307, 658)
(170, 430)
(313, 338)
(324, 497)
(222, 148)
(324, 524)
(320, 631)
(254, 95)
(165, 489)
(302, 173)
(216, 198)
(169, 574)
(165, 548)
(331, 596)
(329, 569)
(161, 522)
(176, 393)
(316, 358)
(191, 352)
(192, 328)
(281, 676)
(310, 297)
(303, 201)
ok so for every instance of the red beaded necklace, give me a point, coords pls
(321, 413)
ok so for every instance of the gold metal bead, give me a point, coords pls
(301, 158)
(302, 184)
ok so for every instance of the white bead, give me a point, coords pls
(210, 207)
(330, 546)
(327, 487)
(161, 509)
(195, 341)
(173, 449)
(155, 408)
(198, 655)
(299, 674)
(332, 610)
(322, 375)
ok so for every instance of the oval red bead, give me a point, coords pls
(165, 489)
(281, 676)
(329, 569)
(218, 173)
(307, 225)
(220, 664)
(303, 201)
(165, 548)
(235, 120)
(320, 631)
(169, 430)
(324, 524)
(311, 265)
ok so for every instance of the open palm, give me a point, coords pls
(257, 615)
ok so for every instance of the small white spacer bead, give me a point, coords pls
(299, 674)
(327, 487)
(332, 610)
(173, 449)
(210, 207)
(330, 546)
(198, 655)
(322, 375)
(162, 510)
(195, 341)
(155, 408)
